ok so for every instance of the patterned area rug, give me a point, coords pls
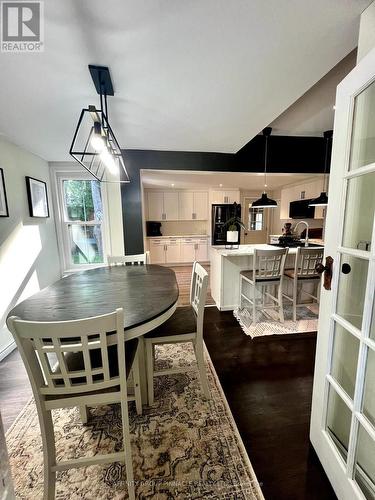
(183, 447)
(268, 324)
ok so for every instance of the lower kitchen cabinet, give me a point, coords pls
(178, 250)
(194, 249)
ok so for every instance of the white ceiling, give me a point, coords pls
(193, 75)
(313, 113)
(205, 180)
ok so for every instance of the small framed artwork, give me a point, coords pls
(37, 197)
(4, 212)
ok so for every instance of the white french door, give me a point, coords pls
(343, 407)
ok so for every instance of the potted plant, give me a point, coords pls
(232, 231)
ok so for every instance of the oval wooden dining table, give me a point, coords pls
(147, 293)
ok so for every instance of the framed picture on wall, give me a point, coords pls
(4, 212)
(37, 197)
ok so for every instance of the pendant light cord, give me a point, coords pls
(265, 164)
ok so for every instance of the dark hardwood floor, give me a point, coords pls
(15, 388)
(268, 385)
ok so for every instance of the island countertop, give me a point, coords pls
(243, 250)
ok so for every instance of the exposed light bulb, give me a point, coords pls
(265, 185)
(109, 161)
(97, 142)
(334, 107)
(220, 185)
(172, 185)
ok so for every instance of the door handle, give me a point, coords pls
(346, 268)
(327, 270)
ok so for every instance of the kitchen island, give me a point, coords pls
(226, 266)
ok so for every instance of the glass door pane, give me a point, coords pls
(359, 212)
(365, 464)
(363, 132)
(369, 389)
(344, 359)
(352, 289)
(338, 422)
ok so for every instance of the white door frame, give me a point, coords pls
(339, 473)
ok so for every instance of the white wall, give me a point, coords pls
(366, 40)
(29, 259)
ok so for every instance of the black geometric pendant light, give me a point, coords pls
(264, 201)
(322, 199)
(94, 144)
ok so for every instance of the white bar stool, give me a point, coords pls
(268, 270)
(304, 271)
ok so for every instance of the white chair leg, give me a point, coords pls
(254, 305)
(84, 412)
(240, 297)
(137, 385)
(295, 300)
(280, 302)
(202, 369)
(150, 371)
(49, 453)
(127, 448)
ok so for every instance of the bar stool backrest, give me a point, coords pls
(269, 264)
(307, 259)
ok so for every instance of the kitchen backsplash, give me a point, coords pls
(180, 228)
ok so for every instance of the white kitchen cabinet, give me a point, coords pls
(162, 205)
(186, 205)
(172, 250)
(170, 205)
(200, 199)
(201, 250)
(178, 250)
(194, 249)
(157, 251)
(155, 202)
(232, 196)
(187, 250)
(193, 205)
(225, 196)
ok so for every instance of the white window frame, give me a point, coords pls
(59, 175)
(250, 221)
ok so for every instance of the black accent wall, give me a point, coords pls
(286, 154)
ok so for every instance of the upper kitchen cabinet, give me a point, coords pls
(306, 191)
(224, 196)
(176, 205)
(162, 205)
(200, 205)
(193, 205)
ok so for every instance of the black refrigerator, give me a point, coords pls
(219, 216)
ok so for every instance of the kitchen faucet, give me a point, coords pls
(307, 231)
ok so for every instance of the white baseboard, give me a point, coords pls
(7, 350)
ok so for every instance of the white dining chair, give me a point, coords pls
(267, 271)
(304, 272)
(129, 260)
(88, 372)
(185, 325)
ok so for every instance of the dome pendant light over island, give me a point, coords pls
(264, 201)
